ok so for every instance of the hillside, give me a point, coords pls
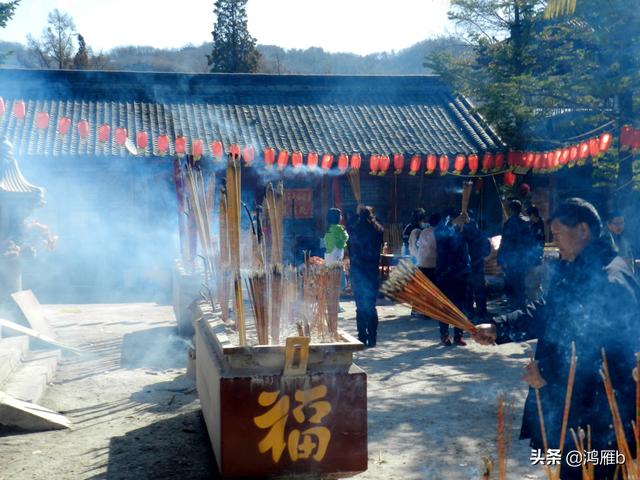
(274, 59)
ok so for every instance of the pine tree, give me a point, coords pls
(234, 49)
(7, 9)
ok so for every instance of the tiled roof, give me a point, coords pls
(324, 114)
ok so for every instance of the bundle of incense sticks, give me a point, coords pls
(505, 410)
(233, 232)
(333, 274)
(198, 203)
(588, 470)
(275, 289)
(257, 286)
(407, 284)
(223, 256)
(393, 236)
(181, 204)
(354, 179)
(290, 296)
(274, 207)
(629, 472)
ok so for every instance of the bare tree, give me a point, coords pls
(55, 47)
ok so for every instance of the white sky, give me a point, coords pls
(358, 26)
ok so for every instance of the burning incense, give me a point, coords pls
(466, 196)
(179, 183)
(618, 426)
(332, 293)
(407, 284)
(543, 430)
(276, 292)
(257, 286)
(567, 403)
(225, 261)
(505, 410)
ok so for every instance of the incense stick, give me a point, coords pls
(567, 403)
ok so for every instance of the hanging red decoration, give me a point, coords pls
(564, 158)
(3, 107)
(83, 128)
(459, 163)
(443, 163)
(398, 163)
(234, 150)
(509, 178)
(104, 132)
(248, 154)
(163, 144)
(19, 110)
(512, 159)
(487, 161)
(635, 140)
(537, 160)
(555, 159)
(583, 151)
(605, 142)
(432, 163)
(529, 159)
(594, 147)
(269, 155)
(385, 163)
(573, 155)
(414, 165)
(327, 161)
(499, 161)
(356, 161)
(312, 160)
(197, 148)
(42, 120)
(626, 137)
(180, 145)
(283, 159)
(121, 136)
(142, 139)
(343, 162)
(217, 149)
(296, 159)
(374, 164)
(473, 163)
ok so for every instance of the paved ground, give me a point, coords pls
(432, 410)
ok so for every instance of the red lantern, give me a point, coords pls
(509, 179)
(398, 163)
(104, 132)
(573, 154)
(583, 151)
(296, 159)
(83, 128)
(458, 163)
(385, 163)
(432, 163)
(529, 159)
(499, 161)
(42, 120)
(443, 163)
(327, 161)
(356, 161)
(594, 147)
(537, 161)
(312, 160)
(248, 154)
(19, 110)
(269, 155)
(473, 163)
(564, 158)
(217, 149)
(142, 140)
(163, 144)
(343, 162)
(626, 137)
(605, 142)
(3, 108)
(374, 164)
(555, 159)
(512, 159)
(283, 159)
(234, 150)
(121, 136)
(487, 162)
(197, 148)
(414, 165)
(180, 145)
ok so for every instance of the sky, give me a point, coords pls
(356, 26)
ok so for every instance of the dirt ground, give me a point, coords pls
(136, 415)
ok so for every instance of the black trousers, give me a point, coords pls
(365, 290)
(455, 288)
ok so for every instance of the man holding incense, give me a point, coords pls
(593, 301)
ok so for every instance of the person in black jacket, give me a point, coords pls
(479, 248)
(365, 242)
(593, 301)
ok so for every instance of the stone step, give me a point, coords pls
(29, 381)
(12, 349)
